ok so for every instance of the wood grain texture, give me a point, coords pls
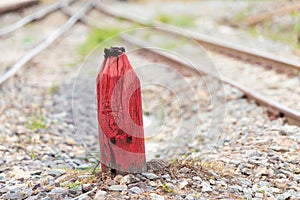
(120, 122)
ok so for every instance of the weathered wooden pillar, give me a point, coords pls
(120, 119)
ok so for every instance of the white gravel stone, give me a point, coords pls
(190, 197)
(206, 187)
(128, 179)
(259, 195)
(150, 176)
(117, 187)
(183, 183)
(297, 178)
(135, 190)
(197, 178)
(100, 195)
(184, 170)
(275, 190)
(156, 197)
(166, 177)
(59, 190)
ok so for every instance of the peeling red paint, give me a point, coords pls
(120, 121)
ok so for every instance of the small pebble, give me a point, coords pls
(117, 188)
(190, 197)
(135, 190)
(166, 177)
(128, 179)
(184, 170)
(100, 195)
(156, 197)
(55, 173)
(150, 176)
(259, 195)
(206, 187)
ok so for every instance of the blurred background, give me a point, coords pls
(248, 22)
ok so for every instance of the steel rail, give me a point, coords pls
(36, 16)
(47, 42)
(9, 6)
(292, 116)
(229, 49)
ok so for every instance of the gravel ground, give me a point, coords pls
(14, 16)
(45, 158)
(278, 87)
(26, 38)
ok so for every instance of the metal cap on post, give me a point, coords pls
(113, 51)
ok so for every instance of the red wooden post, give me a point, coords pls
(120, 119)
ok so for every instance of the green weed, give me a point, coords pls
(276, 32)
(27, 40)
(167, 189)
(284, 35)
(170, 45)
(72, 64)
(240, 17)
(198, 195)
(36, 124)
(183, 20)
(53, 89)
(74, 185)
(29, 139)
(96, 37)
(32, 155)
(64, 167)
(253, 31)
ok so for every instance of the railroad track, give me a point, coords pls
(274, 108)
(73, 18)
(291, 68)
(215, 44)
(40, 14)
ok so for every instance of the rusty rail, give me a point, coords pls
(40, 14)
(292, 116)
(262, 58)
(215, 44)
(8, 6)
(47, 42)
